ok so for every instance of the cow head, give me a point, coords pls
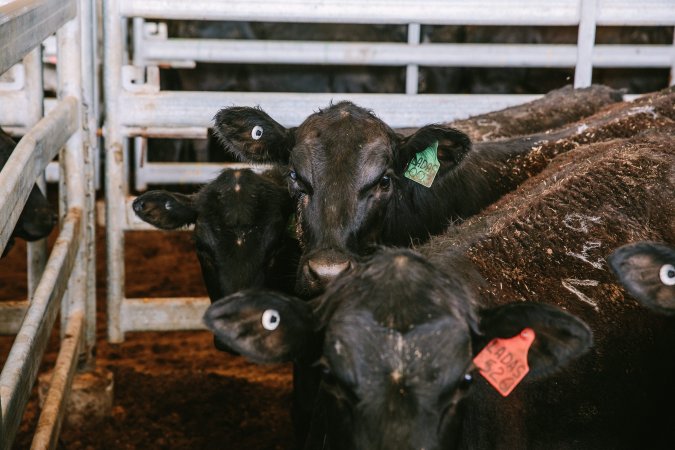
(38, 217)
(395, 339)
(647, 271)
(346, 173)
(241, 221)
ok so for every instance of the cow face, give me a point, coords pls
(38, 217)
(240, 227)
(647, 271)
(346, 174)
(395, 339)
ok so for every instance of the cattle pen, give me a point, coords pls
(59, 135)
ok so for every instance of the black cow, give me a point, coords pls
(351, 176)
(38, 217)
(542, 243)
(241, 229)
(647, 271)
(395, 339)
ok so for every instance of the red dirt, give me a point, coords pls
(173, 390)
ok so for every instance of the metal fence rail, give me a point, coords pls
(432, 12)
(28, 24)
(137, 109)
(65, 282)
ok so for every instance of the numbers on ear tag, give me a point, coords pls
(503, 362)
(424, 166)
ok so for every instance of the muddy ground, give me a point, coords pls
(173, 390)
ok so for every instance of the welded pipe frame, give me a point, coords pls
(436, 12)
(67, 280)
(21, 109)
(150, 114)
(239, 51)
(150, 50)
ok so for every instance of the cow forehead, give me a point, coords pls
(238, 198)
(371, 357)
(344, 131)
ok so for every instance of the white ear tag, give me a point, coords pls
(667, 274)
(257, 132)
(271, 319)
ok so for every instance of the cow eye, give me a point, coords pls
(168, 205)
(328, 377)
(257, 132)
(667, 274)
(293, 175)
(385, 182)
(324, 368)
(271, 319)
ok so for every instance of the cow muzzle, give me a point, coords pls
(325, 266)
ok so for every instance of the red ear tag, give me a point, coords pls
(503, 362)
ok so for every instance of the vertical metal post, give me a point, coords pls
(115, 185)
(139, 25)
(583, 73)
(71, 160)
(140, 154)
(140, 163)
(412, 70)
(672, 65)
(37, 251)
(90, 149)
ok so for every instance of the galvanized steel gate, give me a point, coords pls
(137, 109)
(64, 278)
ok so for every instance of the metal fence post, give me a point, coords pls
(115, 180)
(583, 73)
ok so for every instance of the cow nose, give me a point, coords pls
(138, 205)
(327, 269)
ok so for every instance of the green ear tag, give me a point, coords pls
(424, 166)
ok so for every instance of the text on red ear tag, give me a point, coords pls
(503, 362)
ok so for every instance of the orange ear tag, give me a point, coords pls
(503, 362)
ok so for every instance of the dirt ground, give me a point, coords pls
(172, 390)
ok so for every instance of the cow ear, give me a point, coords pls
(165, 210)
(252, 135)
(647, 271)
(452, 146)
(263, 326)
(559, 336)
